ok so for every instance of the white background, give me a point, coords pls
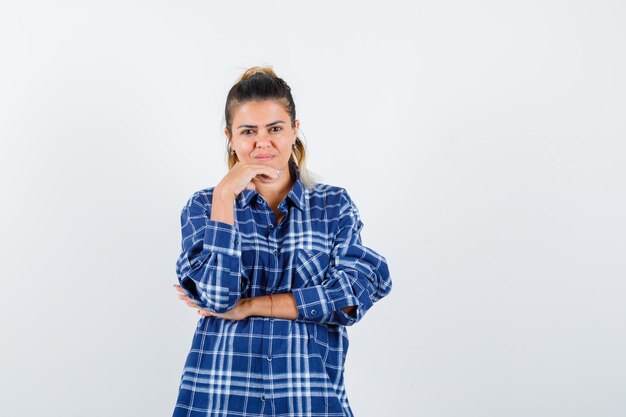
(482, 141)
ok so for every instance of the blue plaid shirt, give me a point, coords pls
(272, 366)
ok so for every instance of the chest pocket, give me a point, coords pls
(311, 267)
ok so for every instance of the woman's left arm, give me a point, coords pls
(281, 306)
(356, 277)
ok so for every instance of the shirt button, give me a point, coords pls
(236, 242)
(269, 358)
(313, 312)
(271, 318)
(262, 397)
(276, 251)
(271, 226)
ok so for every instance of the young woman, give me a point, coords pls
(275, 265)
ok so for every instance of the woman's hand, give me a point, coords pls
(240, 311)
(240, 176)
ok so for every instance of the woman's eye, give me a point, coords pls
(245, 132)
(277, 128)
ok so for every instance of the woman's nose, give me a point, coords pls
(263, 140)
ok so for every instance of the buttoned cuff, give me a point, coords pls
(313, 304)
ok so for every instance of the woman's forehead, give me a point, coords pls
(260, 112)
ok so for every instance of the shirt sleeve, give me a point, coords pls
(356, 276)
(209, 265)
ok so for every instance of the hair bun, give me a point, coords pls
(254, 70)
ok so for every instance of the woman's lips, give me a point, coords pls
(264, 158)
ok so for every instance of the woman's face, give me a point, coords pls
(262, 133)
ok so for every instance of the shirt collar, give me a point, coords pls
(295, 195)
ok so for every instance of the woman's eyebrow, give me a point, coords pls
(267, 125)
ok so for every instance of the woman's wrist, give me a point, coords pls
(222, 209)
(248, 306)
(253, 307)
(281, 306)
(223, 193)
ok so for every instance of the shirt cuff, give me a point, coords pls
(222, 238)
(313, 304)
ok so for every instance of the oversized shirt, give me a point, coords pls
(272, 366)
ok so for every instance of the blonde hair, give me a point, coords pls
(258, 84)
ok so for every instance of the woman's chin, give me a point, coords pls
(264, 179)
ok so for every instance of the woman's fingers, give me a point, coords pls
(252, 171)
(234, 314)
(269, 171)
(241, 175)
(182, 296)
(266, 174)
(190, 302)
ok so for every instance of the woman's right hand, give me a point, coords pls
(240, 176)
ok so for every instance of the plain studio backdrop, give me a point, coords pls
(482, 141)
